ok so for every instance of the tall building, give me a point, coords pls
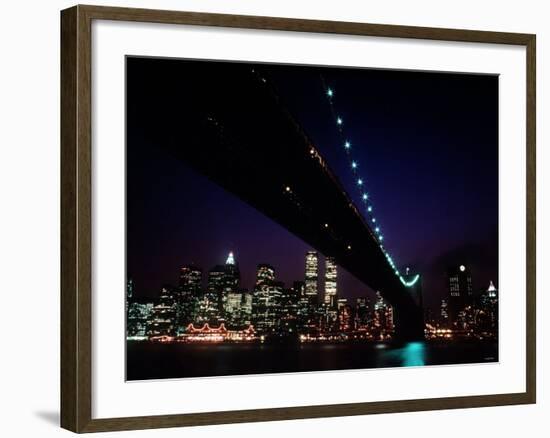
(488, 311)
(362, 312)
(191, 279)
(232, 308)
(210, 304)
(383, 317)
(246, 308)
(163, 315)
(331, 272)
(459, 281)
(139, 319)
(444, 314)
(222, 281)
(265, 274)
(345, 317)
(232, 276)
(311, 274)
(188, 296)
(267, 306)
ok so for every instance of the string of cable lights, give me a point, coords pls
(360, 182)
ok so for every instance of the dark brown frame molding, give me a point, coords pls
(76, 173)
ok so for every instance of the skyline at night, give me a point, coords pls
(426, 143)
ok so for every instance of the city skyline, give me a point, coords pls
(445, 224)
(229, 312)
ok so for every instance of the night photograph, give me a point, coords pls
(289, 218)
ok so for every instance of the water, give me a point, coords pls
(161, 361)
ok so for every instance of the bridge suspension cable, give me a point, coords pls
(360, 182)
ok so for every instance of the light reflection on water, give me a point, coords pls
(412, 354)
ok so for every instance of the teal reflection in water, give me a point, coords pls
(413, 354)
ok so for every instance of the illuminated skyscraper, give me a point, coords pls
(267, 306)
(311, 273)
(383, 317)
(188, 295)
(460, 290)
(330, 281)
(163, 315)
(232, 276)
(265, 274)
(139, 318)
(488, 311)
(191, 280)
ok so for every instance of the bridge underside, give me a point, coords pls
(232, 128)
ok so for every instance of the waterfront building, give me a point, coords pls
(163, 315)
(139, 318)
(267, 306)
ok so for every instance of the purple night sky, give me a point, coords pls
(427, 147)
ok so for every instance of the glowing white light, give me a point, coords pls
(377, 229)
(353, 165)
(369, 208)
(360, 181)
(230, 259)
(365, 196)
(381, 237)
(330, 92)
(339, 121)
(462, 268)
(287, 188)
(373, 220)
(347, 144)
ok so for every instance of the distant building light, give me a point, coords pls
(230, 259)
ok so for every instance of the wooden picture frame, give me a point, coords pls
(76, 218)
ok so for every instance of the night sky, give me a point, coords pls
(427, 147)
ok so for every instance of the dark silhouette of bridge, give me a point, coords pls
(232, 128)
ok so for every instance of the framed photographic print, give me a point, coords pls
(258, 212)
